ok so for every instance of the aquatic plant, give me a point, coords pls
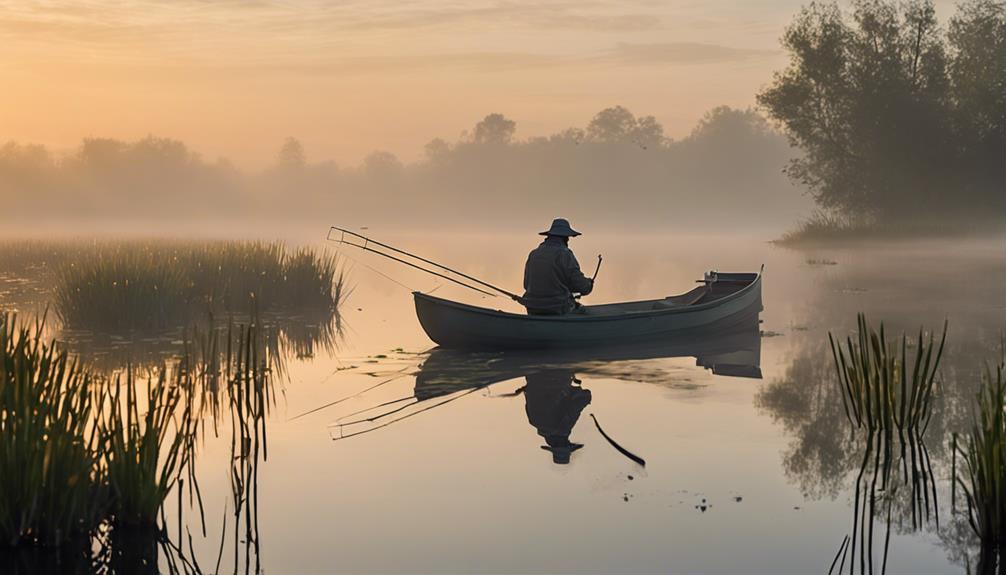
(982, 476)
(88, 463)
(147, 443)
(879, 391)
(51, 490)
(151, 286)
(890, 404)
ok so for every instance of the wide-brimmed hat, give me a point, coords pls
(560, 227)
(561, 447)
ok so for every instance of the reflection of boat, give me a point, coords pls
(719, 302)
(732, 351)
(447, 375)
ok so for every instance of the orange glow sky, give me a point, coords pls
(234, 77)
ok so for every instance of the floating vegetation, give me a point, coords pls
(890, 405)
(982, 475)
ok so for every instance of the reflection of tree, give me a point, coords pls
(825, 454)
(807, 401)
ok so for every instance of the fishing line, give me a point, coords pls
(373, 407)
(357, 394)
(404, 417)
(615, 444)
(376, 417)
(378, 272)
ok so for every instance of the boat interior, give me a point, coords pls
(715, 286)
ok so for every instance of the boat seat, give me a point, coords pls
(687, 299)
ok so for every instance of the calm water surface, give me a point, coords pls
(742, 475)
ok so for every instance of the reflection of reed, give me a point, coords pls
(891, 403)
(87, 463)
(895, 479)
(286, 337)
(982, 475)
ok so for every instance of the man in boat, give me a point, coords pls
(554, 401)
(552, 275)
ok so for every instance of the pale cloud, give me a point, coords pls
(685, 53)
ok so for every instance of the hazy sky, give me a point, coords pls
(234, 77)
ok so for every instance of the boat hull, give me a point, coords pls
(456, 325)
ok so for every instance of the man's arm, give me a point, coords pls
(575, 280)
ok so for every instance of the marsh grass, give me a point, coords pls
(982, 474)
(147, 443)
(887, 396)
(121, 287)
(823, 228)
(51, 482)
(880, 391)
(91, 462)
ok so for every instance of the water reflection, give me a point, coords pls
(553, 393)
(554, 400)
(285, 337)
(897, 483)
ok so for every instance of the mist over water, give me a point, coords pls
(620, 172)
(764, 463)
(169, 176)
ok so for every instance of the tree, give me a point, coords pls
(382, 164)
(867, 101)
(436, 150)
(618, 125)
(977, 38)
(611, 125)
(291, 155)
(648, 132)
(495, 129)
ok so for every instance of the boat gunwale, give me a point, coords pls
(576, 318)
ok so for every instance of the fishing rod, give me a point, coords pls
(410, 264)
(365, 247)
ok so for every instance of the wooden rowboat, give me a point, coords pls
(723, 300)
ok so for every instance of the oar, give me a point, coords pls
(511, 295)
(615, 444)
(597, 269)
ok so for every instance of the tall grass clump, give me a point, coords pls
(983, 473)
(148, 444)
(880, 389)
(151, 286)
(887, 396)
(51, 487)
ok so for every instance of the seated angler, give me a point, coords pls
(552, 275)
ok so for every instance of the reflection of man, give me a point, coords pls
(553, 406)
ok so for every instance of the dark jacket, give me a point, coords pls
(551, 277)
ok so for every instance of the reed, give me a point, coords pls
(51, 483)
(147, 443)
(887, 396)
(982, 475)
(152, 286)
(880, 390)
(87, 464)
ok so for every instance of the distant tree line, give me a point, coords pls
(619, 166)
(899, 119)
